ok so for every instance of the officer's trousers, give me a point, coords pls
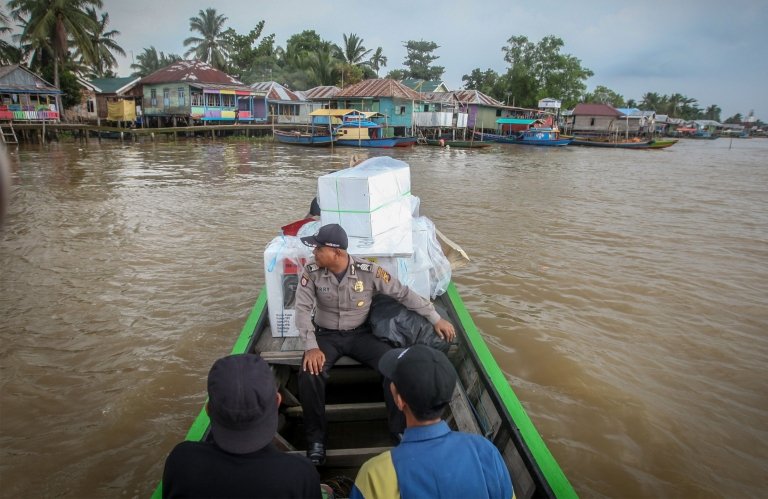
(360, 345)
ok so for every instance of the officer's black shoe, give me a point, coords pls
(316, 453)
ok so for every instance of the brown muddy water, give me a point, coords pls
(623, 293)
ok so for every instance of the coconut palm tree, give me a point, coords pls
(322, 65)
(354, 52)
(150, 61)
(378, 60)
(50, 25)
(211, 47)
(8, 53)
(100, 60)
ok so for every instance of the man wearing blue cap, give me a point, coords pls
(240, 461)
(432, 460)
(338, 288)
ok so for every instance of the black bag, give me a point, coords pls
(401, 327)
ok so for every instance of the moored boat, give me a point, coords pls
(538, 137)
(467, 144)
(304, 138)
(626, 144)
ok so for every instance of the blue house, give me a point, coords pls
(390, 98)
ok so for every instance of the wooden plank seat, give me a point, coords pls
(364, 411)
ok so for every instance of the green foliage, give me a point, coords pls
(68, 84)
(605, 95)
(378, 60)
(150, 61)
(419, 61)
(539, 70)
(675, 105)
(397, 74)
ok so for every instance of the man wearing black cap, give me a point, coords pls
(431, 460)
(241, 460)
(339, 288)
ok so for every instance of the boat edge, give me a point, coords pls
(550, 469)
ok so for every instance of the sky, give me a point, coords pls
(713, 51)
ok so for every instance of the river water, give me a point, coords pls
(624, 294)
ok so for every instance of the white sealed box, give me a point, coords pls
(284, 261)
(368, 199)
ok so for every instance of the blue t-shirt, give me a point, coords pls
(433, 461)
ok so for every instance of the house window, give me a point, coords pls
(197, 98)
(592, 122)
(153, 97)
(90, 106)
(498, 113)
(212, 100)
(166, 97)
(426, 108)
(182, 97)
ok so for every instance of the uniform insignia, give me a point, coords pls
(312, 267)
(359, 286)
(304, 280)
(367, 267)
(360, 303)
(383, 275)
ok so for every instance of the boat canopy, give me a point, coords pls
(515, 121)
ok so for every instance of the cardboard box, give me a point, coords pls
(369, 199)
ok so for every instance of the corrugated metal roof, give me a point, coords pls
(112, 85)
(441, 97)
(191, 72)
(275, 91)
(380, 87)
(584, 109)
(17, 78)
(476, 97)
(321, 93)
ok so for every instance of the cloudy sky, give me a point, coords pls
(713, 51)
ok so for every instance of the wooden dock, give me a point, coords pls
(43, 132)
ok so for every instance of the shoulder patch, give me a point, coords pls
(383, 275)
(365, 267)
(312, 267)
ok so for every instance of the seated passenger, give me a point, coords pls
(241, 461)
(431, 460)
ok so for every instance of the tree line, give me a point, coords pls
(63, 38)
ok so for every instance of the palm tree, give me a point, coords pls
(101, 60)
(212, 47)
(378, 60)
(150, 61)
(49, 25)
(8, 53)
(354, 52)
(322, 65)
(651, 101)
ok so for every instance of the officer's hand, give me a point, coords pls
(313, 361)
(444, 330)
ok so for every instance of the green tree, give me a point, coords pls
(419, 60)
(210, 46)
(539, 70)
(353, 52)
(713, 112)
(736, 119)
(322, 66)
(378, 60)
(50, 25)
(605, 95)
(8, 53)
(100, 60)
(250, 59)
(305, 53)
(631, 103)
(397, 74)
(150, 60)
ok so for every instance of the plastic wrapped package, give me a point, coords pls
(284, 261)
(429, 255)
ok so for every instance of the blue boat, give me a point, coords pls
(537, 137)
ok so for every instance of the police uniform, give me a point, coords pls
(340, 328)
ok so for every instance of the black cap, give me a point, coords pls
(423, 376)
(332, 235)
(242, 403)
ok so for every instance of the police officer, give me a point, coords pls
(339, 288)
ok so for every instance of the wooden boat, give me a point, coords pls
(467, 144)
(406, 141)
(483, 403)
(636, 144)
(358, 130)
(538, 137)
(304, 138)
